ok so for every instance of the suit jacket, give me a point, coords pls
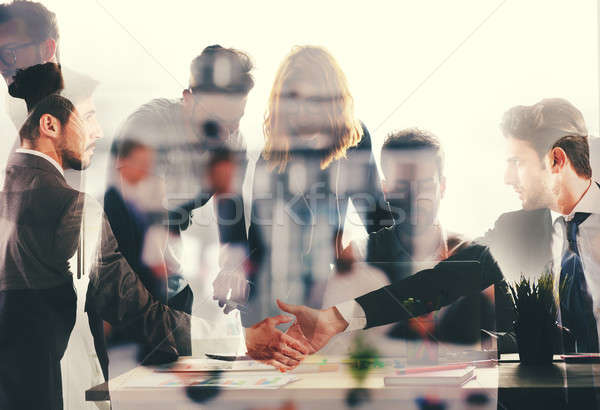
(40, 225)
(432, 289)
(129, 230)
(521, 243)
(462, 320)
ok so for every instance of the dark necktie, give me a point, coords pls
(576, 302)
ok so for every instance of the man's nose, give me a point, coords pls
(96, 131)
(510, 176)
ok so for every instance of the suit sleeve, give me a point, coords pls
(429, 290)
(258, 247)
(116, 294)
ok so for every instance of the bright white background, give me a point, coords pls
(451, 67)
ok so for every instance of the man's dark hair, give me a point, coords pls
(221, 70)
(552, 122)
(40, 22)
(55, 105)
(413, 139)
(39, 86)
(34, 83)
(577, 149)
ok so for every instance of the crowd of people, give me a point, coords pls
(80, 273)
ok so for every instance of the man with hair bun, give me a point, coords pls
(41, 230)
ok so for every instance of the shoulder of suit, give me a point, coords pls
(382, 243)
(383, 234)
(457, 242)
(521, 218)
(466, 250)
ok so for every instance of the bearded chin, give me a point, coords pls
(71, 160)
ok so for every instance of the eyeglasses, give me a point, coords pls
(8, 55)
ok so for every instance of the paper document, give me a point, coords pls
(227, 381)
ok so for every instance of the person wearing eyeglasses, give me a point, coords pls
(29, 35)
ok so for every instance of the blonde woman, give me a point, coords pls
(317, 156)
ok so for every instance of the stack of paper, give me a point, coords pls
(453, 377)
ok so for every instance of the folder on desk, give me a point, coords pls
(452, 377)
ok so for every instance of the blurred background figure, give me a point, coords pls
(414, 184)
(135, 212)
(29, 35)
(317, 157)
(132, 206)
(193, 155)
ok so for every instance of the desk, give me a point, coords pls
(514, 386)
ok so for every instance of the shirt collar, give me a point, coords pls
(42, 155)
(555, 216)
(589, 202)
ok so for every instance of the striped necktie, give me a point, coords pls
(575, 301)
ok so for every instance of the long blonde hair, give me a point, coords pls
(345, 129)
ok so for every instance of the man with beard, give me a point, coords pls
(547, 151)
(521, 240)
(40, 232)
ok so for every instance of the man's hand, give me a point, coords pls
(231, 290)
(270, 345)
(312, 326)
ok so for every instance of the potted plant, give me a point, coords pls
(536, 314)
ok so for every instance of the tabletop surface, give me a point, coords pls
(507, 375)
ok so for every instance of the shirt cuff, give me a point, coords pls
(352, 313)
(224, 336)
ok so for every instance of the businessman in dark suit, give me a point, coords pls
(428, 267)
(40, 231)
(532, 134)
(521, 240)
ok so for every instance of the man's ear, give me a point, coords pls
(558, 159)
(48, 50)
(49, 126)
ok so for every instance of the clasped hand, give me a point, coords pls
(311, 331)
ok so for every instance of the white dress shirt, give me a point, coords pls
(588, 243)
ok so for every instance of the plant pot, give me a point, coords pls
(534, 339)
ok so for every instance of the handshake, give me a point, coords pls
(312, 328)
(310, 332)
